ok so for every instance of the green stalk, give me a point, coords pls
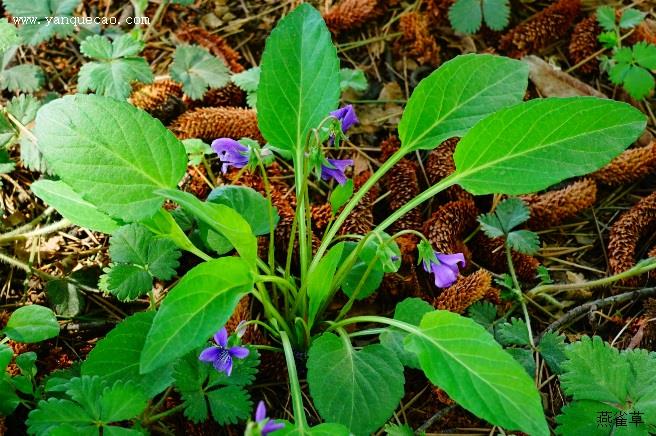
(294, 385)
(300, 177)
(518, 292)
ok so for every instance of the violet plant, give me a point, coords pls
(116, 166)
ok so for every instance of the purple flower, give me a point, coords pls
(335, 169)
(231, 153)
(347, 116)
(266, 425)
(445, 268)
(220, 355)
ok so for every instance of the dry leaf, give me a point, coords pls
(552, 82)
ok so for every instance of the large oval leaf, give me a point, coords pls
(116, 356)
(359, 389)
(532, 145)
(31, 323)
(72, 206)
(111, 153)
(461, 357)
(459, 94)
(299, 79)
(197, 307)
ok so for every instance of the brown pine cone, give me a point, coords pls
(626, 234)
(648, 321)
(584, 43)
(628, 167)
(321, 216)
(361, 220)
(440, 164)
(491, 254)
(388, 147)
(352, 14)
(230, 95)
(464, 292)
(217, 122)
(543, 29)
(447, 226)
(218, 46)
(416, 41)
(554, 207)
(162, 99)
(403, 185)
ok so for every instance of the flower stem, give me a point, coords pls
(518, 292)
(300, 177)
(164, 414)
(294, 385)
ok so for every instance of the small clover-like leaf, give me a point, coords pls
(483, 312)
(552, 349)
(8, 35)
(638, 82)
(466, 15)
(36, 29)
(198, 70)
(127, 282)
(496, 13)
(24, 77)
(248, 81)
(606, 18)
(506, 216)
(352, 79)
(645, 55)
(631, 17)
(513, 333)
(523, 241)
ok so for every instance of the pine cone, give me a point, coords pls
(321, 216)
(194, 181)
(491, 254)
(417, 42)
(554, 207)
(440, 164)
(361, 220)
(649, 322)
(628, 167)
(388, 147)
(584, 43)
(403, 185)
(464, 292)
(162, 99)
(217, 122)
(544, 28)
(448, 224)
(351, 14)
(230, 95)
(218, 46)
(254, 333)
(625, 235)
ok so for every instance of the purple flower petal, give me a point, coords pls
(231, 153)
(347, 116)
(270, 427)
(260, 412)
(444, 276)
(224, 362)
(336, 170)
(239, 352)
(221, 337)
(452, 259)
(209, 354)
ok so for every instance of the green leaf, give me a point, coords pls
(9, 400)
(361, 272)
(607, 40)
(496, 13)
(248, 81)
(54, 413)
(318, 283)
(299, 79)
(513, 333)
(552, 349)
(6, 355)
(194, 309)
(8, 35)
(325, 429)
(456, 96)
(398, 430)
(72, 206)
(22, 78)
(359, 389)
(341, 195)
(24, 108)
(248, 203)
(229, 405)
(466, 16)
(580, 418)
(524, 357)
(221, 219)
(506, 216)
(114, 78)
(631, 18)
(31, 323)
(122, 401)
(116, 356)
(524, 241)
(410, 310)
(98, 47)
(532, 145)
(138, 154)
(198, 70)
(483, 312)
(638, 82)
(196, 150)
(37, 32)
(65, 298)
(352, 79)
(126, 282)
(645, 55)
(461, 357)
(606, 18)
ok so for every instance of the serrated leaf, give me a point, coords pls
(466, 16)
(606, 18)
(138, 154)
(122, 401)
(299, 79)
(24, 108)
(8, 35)
(456, 96)
(398, 430)
(98, 47)
(194, 309)
(198, 70)
(230, 404)
(116, 356)
(638, 82)
(358, 389)
(513, 333)
(508, 153)
(410, 310)
(56, 412)
(72, 206)
(462, 358)
(552, 349)
(247, 80)
(524, 357)
(496, 13)
(127, 282)
(31, 323)
(113, 79)
(581, 418)
(524, 241)
(22, 78)
(645, 55)
(354, 79)
(483, 312)
(37, 32)
(326, 429)
(196, 149)
(631, 18)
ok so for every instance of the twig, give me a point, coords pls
(439, 415)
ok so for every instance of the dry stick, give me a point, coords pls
(601, 302)
(439, 415)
